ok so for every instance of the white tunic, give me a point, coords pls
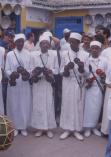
(29, 46)
(2, 53)
(64, 45)
(72, 96)
(109, 107)
(1, 97)
(105, 122)
(43, 114)
(93, 98)
(108, 80)
(19, 96)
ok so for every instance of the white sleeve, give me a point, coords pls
(63, 63)
(2, 54)
(32, 62)
(0, 75)
(108, 74)
(55, 68)
(29, 65)
(109, 107)
(8, 66)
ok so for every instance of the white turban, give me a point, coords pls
(44, 37)
(19, 36)
(95, 43)
(76, 36)
(47, 33)
(66, 30)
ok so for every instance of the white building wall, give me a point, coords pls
(103, 12)
(38, 15)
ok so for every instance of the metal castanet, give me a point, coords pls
(14, 75)
(37, 71)
(20, 69)
(12, 78)
(66, 72)
(12, 82)
(79, 83)
(98, 83)
(89, 82)
(47, 73)
(25, 75)
(80, 64)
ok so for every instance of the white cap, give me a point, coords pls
(95, 43)
(47, 33)
(19, 36)
(66, 30)
(44, 37)
(76, 36)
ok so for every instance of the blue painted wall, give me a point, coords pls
(74, 23)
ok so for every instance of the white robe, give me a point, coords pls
(2, 53)
(93, 97)
(43, 114)
(1, 97)
(105, 121)
(64, 45)
(29, 46)
(19, 96)
(72, 97)
(109, 107)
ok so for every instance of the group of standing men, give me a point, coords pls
(34, 87)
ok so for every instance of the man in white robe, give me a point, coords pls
(43, 114)
(108, 148)
(64, 43)
(29, 43)
(94, 92)
(106, 53)
(19, 92)
(85, 45)
(71, 119)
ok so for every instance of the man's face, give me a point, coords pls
(74, 44)
(32, 38)
(6, 38)
(98, 31)
(66, 35)
(45, 46)
(95, 51)
(86, 40)
(19, 44)
(11, 38)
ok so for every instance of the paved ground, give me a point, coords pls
(44, 147)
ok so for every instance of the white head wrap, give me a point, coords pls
(47, 33)
(95, 43)
(76, 36)
(44, 37)
(66, 30)
(19, 36)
